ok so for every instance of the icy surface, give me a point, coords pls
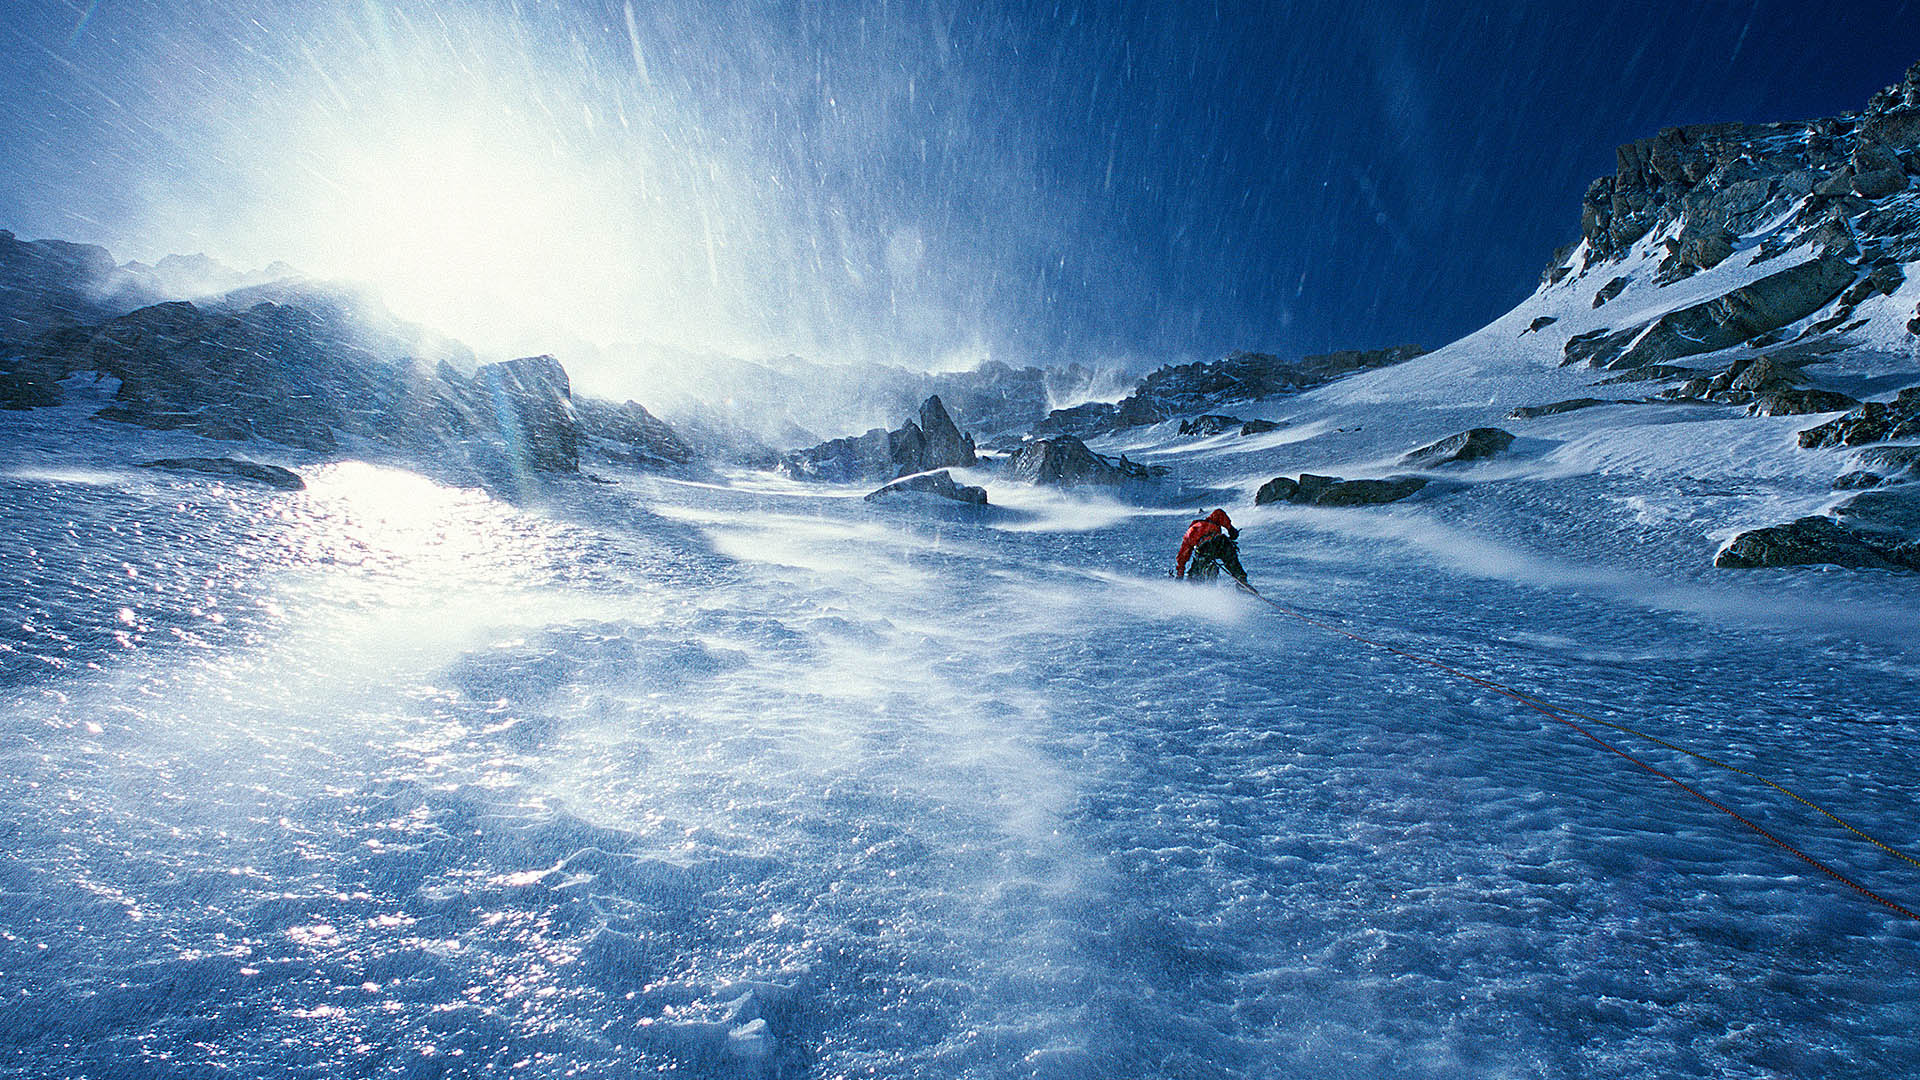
(391, 778)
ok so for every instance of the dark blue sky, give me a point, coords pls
(901, 180)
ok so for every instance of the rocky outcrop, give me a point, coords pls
(1799, 403)
(1214, 424)
(1836, 192)
(1872, 422)
(1064, 461)
(1200, 387)
(1817, 540)
(939, 484)
(629, 434)
(1092, 418)
(47, 284)
(1210, 424)
(1471, 445)
(1772, 302)
(1312, 490)
(886, 455)
(530, 402)
(27, 390)
(272, 476)
(1532, 412)
(1891, 514)
(1608, 291)
(945, 444)
(1891, 461)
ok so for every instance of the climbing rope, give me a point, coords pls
(1561, 716)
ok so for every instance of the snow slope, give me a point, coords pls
(391, 778)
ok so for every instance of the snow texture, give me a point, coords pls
(389, 777)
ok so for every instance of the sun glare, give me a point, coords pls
(475, 231)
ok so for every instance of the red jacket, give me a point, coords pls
(1198, 533)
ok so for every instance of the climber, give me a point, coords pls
(1212, 543)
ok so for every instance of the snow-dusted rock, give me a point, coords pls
(1314, 490)
(1815, 540)
(1471, 445)
(1064, 461)
(940, 484)
(272, 476)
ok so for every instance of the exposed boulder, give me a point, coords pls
(1540, 324)
(1313, 490)
(843, 461)
(1470, 445)
(940, 484)
(1211, 424)
(1879, 183)
(1608, 291)
(1259, 427)
(1872, 422)
(1531, 412)
(1812, 541)
(1799, 402)
(272, 476)
(1278, 489)
(1763, 375)
(1064, 461)
(531, 402)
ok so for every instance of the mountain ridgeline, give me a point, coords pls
(314, 366)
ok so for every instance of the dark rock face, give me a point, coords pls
(1610, 290)
(1313, 490)
(1812, 541)
(1469, 445)
(1278, 489)
(1530, 412)
(47, 284)
(629, 433)
(1539, 324)
(945, 445)
(1892, 460)
(1064, 461)
(1259, 427)
(885, 455)
(311, 365)
(1799, 402)
(272, 476)
(1211, 424)
(1857, 480)
(27, 390)
(1087, 419)
(1196, 388)
(532, 408)
(939, 483)
(1891, 514)
(1872, 422)
(1767, 304)
(843, 461)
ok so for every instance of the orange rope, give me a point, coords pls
(1555, 714)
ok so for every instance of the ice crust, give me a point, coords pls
(390, 777)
